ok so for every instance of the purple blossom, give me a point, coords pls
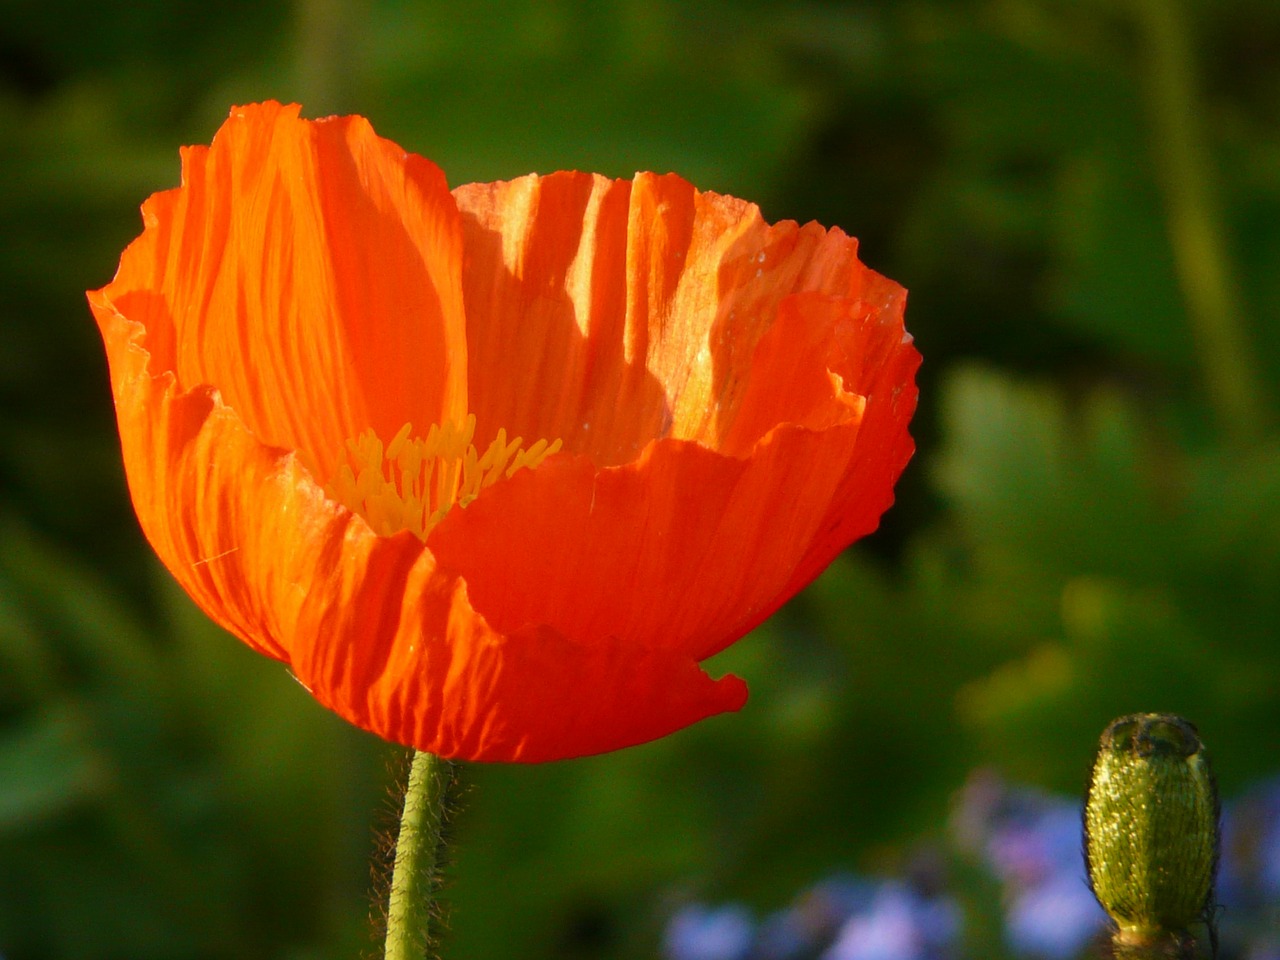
(814, 919)
(1037, 849)
(697, 932)
(1055, 919)
(1251, 847)
(1032, 843)
(898, 925)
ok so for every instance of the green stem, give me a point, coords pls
(1196, 233)
(411, 906)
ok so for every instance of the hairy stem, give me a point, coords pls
(411, 906)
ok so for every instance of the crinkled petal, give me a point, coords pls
(370, 624)
(310, 271)
(690, 547)
(878, 360)
(630, 310)
(732, 396)
(435, 674)
(683, 548)
(232, 518)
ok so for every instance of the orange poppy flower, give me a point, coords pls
(494, 469)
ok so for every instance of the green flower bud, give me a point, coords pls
(1151, 828)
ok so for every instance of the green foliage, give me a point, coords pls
(161, 795)
(1140, 571)
(1084, 534)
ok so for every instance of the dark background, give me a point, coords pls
(1083, 198)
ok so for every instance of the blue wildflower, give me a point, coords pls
(697, 932)
(899, 924)
(1055, 919)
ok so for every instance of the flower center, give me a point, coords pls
(410, 484)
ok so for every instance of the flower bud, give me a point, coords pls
(1151, 828)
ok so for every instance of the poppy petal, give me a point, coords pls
(877, 359)
(683, 548)
(630, 309)
(695, 542)
(309, 270)
(437, 675)
(732, 398)
(367, 623)
(232, 519)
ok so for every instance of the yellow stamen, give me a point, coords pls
(411, 483)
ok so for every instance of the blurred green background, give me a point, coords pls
(1083, 198)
